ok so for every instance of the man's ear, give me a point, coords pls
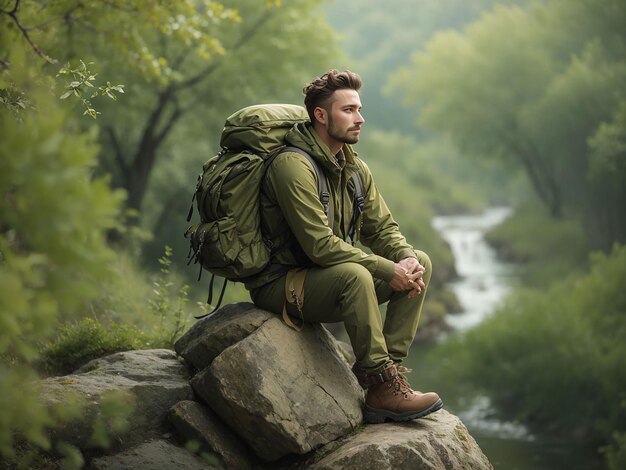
(320, 115)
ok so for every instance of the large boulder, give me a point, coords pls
(438, 441)
(207, 338)
(283, 391)
(150, 381)
(293, 399)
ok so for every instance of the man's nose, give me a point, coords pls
(359, 118)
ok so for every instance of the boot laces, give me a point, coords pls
(399, 384)
(402, 370)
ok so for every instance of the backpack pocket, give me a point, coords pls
(217, 243)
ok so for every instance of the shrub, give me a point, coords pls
(555, 357)
(53, 254)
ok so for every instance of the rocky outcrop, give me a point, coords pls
(255, 395)
(438, 441)
(291, 397)
(149, 382)
(283, 391)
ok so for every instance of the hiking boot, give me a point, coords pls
(390, 397)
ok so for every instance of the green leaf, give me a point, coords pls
(67, 94)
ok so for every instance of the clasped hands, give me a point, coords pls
(408, 275)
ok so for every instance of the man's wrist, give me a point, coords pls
(406, 253)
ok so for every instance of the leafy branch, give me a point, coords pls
(82, 79)
(14, 100)
(12, 13)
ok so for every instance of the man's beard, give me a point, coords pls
(340, 136)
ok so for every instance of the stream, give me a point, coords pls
(483, 283)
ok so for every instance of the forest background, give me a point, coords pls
(108, 110)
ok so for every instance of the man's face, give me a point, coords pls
(344, 118)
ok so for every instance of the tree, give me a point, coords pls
(185, 66)
(53, 253)
(607, 172)
(531, 86)
(259, 54)
(268, 57)
(385, 36)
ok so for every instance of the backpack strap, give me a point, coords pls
(359, 202)
(294, 294)
(324, 193)
(210, 299)
(322, 182)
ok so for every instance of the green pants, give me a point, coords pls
(348, 293)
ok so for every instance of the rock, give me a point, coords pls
(438, 441)
(150, 380)
(154, 455)
(281, 390)
(196, 422)
(210, 336)
(289, 397)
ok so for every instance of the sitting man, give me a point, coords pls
(327, 277)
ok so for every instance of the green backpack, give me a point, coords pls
(228, 241)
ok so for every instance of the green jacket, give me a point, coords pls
(294, 219)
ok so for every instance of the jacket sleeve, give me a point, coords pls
(379, 230)
(292, 183)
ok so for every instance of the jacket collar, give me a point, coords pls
(304, 136)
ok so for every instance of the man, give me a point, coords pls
(326, 277)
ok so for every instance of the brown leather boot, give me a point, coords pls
(390, 397)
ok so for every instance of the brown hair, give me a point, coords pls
(320, 90)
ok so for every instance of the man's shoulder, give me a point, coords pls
(288, 167)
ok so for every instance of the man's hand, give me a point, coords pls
(413, 267)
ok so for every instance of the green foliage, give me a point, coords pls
(52, 224)
(554, 357)
(608, 145)
(22, 411)
(425, 168)
(81, 80)
(546, 248)
(87, 339)
(72, 457)
(14, 100)
(53, 253)
(381, 37)
(115, 408)
(245, 75)
(65, 28)
(124, 318)
(169, 308)
(616, 452)
(533, 86)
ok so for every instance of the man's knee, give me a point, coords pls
(425, 261)
(355, 275)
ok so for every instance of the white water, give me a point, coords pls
(483, 283)
(483, 279)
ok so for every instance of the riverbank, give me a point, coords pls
(484, 281)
